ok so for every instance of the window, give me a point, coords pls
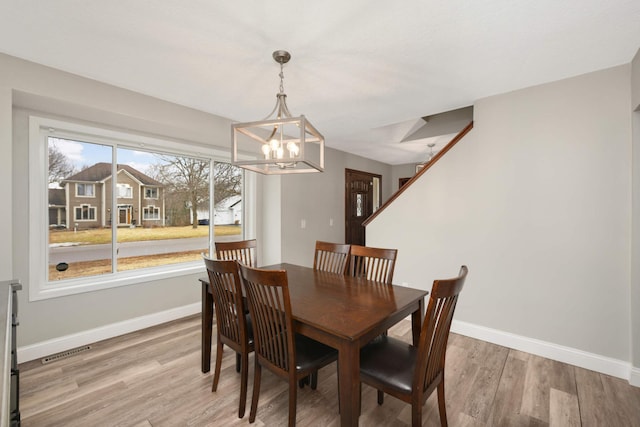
(151, 193)
(84, 190)
(125, 191)
(113, 240)
(151, 212)
(85, 213)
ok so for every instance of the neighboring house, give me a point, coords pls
(57, 208)
(140, 198)
(226, 212)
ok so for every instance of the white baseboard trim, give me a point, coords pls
(57, 345)
(634, 378)
(572, 356)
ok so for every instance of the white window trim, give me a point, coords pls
(151, 188)
(93, 186)
(39, 129)
(127, 187)
(91, 208)
(145, 212)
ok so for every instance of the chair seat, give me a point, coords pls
(310, 354)
(389, 361)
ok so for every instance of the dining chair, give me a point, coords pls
(234, 327)
(331, 257)
(277, 347)
(412, 373)
(375, 264)
(244, 251)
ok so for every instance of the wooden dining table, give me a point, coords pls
(340, 311)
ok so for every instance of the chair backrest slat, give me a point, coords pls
(434, 335)
(243, 251)
(270, 307)
(375, 264)
(226, 289)
(331, 257)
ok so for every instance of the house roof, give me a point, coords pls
(102, 171)
(57, 197)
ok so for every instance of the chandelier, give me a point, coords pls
(278, 144)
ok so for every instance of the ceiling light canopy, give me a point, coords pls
(279, 143)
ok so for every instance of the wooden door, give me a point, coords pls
(359, 203)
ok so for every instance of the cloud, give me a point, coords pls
(73, 150)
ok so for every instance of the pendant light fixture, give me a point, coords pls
(279, 143)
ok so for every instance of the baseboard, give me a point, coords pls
(634, 377)
(572, 356)
(46, 348)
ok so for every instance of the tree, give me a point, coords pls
(227, 181)
(186, 181)
(60, 167)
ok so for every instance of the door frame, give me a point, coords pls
(347, 171)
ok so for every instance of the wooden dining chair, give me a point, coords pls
(288, 355)
(244, 251)
(331, 257)
(412, 373)
(234, 327)
(375, 264)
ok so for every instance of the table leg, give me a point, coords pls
(416, 322)
(206, 327)
(349, 384)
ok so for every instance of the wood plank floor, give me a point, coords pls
(152, 378)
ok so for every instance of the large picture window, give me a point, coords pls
(119, 238)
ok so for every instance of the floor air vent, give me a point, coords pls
(65, 354)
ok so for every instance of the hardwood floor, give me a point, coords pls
(152, 378)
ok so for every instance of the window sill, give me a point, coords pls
(108, 281)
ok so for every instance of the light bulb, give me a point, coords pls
(280, 152)
(293, 149)
(266, 150)
(274, 144)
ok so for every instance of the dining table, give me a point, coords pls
(338, 310)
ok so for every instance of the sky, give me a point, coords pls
(87, 154)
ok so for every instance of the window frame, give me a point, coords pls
(86, 185)
(40, 128)
(156, 191)
(124, 186)
(145, 212)
(90, 209)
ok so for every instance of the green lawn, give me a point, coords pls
(138, 234)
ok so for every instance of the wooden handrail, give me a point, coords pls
(428, 165)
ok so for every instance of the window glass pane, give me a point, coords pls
(160, 214)
(79, 234)
(227, 202)
(157, 224)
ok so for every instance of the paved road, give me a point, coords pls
(95, 252)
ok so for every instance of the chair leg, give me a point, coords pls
(238, 362)
(293, 396)
(256, 391)
(416, 415)
(216, 370)
(314, 380)
(303, 381)
(380, 397)
(244, 374)
(441, 404)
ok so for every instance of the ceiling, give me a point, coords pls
(363, 72)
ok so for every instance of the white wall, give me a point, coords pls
(536, 200)
(26, 87)
(634, 299)
(318, 198)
